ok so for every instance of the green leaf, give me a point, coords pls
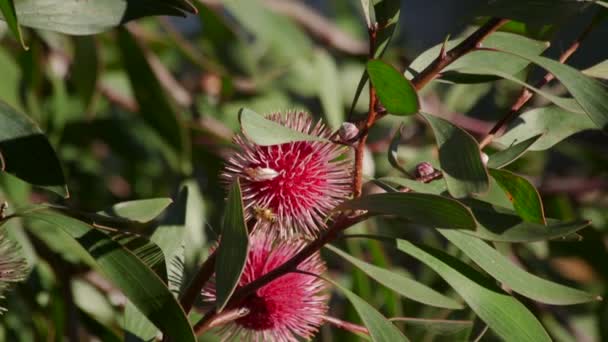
(459, 157)
(26, 152)
(591, 95)
(141, 211)
(329, 89)
(88, 17)
(368, 12)
(427, 209)
(380, 329)
(554, 123)
(518, 280)
(127, 272)
(537, 12)
(526, 200)
(7, 7)
(266, 132)
(395, 92)
(478, 61)
(505, 157)
(428, 188)
(599, 70)
(500, 224)
(156, 109)
(507, 317)
(407, 287)
(233, 248)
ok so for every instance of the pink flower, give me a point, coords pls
(13, 268)
(285, 308)
(291, 188)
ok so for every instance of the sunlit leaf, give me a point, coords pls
(9, 14)
(266, 132)
(518, 280)
(507, 317)
(141, 211)
(407, 287)
(599, 70)
(554, 123)
(89, 17)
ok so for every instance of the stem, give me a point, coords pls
(446, 58)
(526, 94)
(195, 286)
(348, 326)
(220, 319)
(371, 118)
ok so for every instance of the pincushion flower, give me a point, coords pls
(291, 188)
(289, 307)
(13, 267)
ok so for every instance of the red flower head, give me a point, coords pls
(290, 306)
(291, 188)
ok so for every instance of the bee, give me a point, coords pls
(264, 214)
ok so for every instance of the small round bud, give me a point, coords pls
(424, 169)
(348, 131)
(484, 159)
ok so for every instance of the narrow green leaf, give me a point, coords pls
(7, 7)
(155, 107)
(460, 158)
(129, 273)
(427, 209)
(386, 14)
(591, 95)
(26, 152)
(520, 281)
(329, 89)
(505, 157)
(407, 287)
(393, 152)
(88, 17)
(435, 188)
(507, 317)
(266, 132)
(395, 92)
(141, 211)
(599, 70)
(526, 200)
(477, 62)
(368, 12)
(233, 248)
(537, 12)
(554, 123)
(380, 329)
(500, 224)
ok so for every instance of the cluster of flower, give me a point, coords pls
(288, 192)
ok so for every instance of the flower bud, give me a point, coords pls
(484, 159)
(424, 169)
(348, 131)
(260, 174)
